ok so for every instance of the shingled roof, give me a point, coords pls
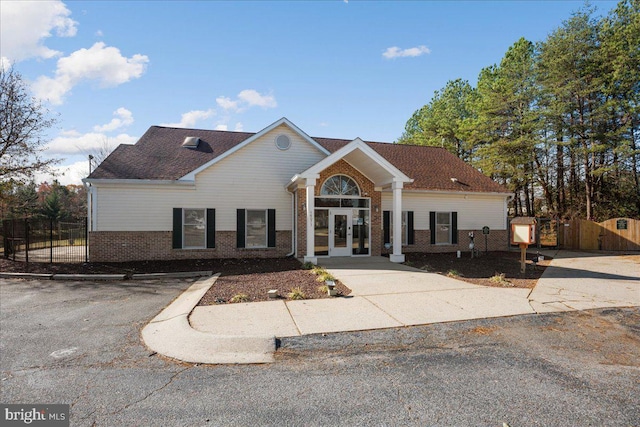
(159, 155)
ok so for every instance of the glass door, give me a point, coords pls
(340, 232)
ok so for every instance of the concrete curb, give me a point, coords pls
(176, 275)
(26, 276)
(171, 335)
(89, 277)
(119, 277)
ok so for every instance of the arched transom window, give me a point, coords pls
(340, 185)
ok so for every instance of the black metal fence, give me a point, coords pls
(45, 240)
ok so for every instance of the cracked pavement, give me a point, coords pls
(574, 368)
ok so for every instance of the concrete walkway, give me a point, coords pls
(585, 280)
(385, 295)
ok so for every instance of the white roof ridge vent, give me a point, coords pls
(191, 142)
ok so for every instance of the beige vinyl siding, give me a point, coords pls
(474, 211)
(253, 177)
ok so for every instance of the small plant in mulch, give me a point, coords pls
(323, 289)
(296, 294)
(239, 298)
(326, 276)
(427, 268)
(453, 273)
(308, 265)
(317, 270)
(499, 279)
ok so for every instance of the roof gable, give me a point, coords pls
(363, 158)
(283, 121)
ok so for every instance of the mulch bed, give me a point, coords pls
(253, 277)
(481, 269)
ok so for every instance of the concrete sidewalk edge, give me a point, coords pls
(171, 335)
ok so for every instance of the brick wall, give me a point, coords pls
(120, 246)
(496, 241)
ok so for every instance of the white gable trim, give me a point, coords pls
(191, 176)
(356, 144)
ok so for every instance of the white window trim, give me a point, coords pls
(184, 222)
(340, 195)
(266, 228)
(449, 240)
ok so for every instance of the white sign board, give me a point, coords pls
(521, 233)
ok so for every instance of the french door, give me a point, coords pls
(340, 232)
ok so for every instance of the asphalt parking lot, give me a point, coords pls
(78, 343)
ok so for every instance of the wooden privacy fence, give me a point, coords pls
(617, 234)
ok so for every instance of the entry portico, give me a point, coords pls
(342, 195)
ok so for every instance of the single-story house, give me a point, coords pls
(187, 193)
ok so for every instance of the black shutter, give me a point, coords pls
(177, 228)
(386, 223)
(410, 231)
(271, 228)
(454, 228)
(240, 228)
(211, 228)
(432, 227)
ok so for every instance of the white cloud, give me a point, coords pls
(123, 118)
(66, 174)
(99, 33)
(101, 63)
(24, 26)
(239, 127)
(226, 103)
(396, 52)
(221, 127)
(246, 99)
(253, 98)
(190, 118)
(75, 143)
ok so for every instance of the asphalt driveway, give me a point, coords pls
(79, 343)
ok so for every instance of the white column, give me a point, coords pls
(397, 255)
(310, 209)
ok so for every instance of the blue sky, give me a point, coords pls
(111, 69)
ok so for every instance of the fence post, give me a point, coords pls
(51, 241)
(13, 236)
(26, 240)
(86, 239)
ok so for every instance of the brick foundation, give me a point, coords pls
(122, 246)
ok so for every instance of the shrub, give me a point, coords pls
(453, 273)
(317, 270)
(296, 294)
(240, 298)
(325, 276)
(323, 289)
(499, 279)
(308, 265)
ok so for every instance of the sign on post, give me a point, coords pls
(485, 231)
(523, 233)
